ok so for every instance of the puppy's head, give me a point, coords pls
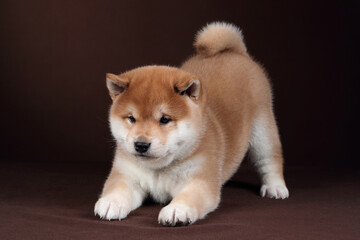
(156, 114)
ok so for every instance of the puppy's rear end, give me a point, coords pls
(239, 94)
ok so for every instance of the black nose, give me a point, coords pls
(142, 147)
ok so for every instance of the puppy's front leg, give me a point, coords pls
(119, 197)
(195, 201)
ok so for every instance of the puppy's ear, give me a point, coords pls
(190, 87)
(116, 84)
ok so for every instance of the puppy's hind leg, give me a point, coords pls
(266, 154)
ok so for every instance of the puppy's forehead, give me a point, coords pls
(151, 85)
(152, 90)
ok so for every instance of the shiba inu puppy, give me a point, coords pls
(182, 132)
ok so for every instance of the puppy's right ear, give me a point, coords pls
(116, 84)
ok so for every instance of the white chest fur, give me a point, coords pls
(161, 184)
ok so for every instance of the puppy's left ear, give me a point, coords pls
(191, 88)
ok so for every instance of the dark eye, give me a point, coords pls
(164, 120)
(131, 119)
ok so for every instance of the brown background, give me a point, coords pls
(54, 56)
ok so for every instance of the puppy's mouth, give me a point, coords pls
(144, 156)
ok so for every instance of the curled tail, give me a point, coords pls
(219, 37)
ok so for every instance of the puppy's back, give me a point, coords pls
(236, 86)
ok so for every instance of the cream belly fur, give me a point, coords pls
(182, 133)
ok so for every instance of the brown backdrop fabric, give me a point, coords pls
(54, 105)
(54, 56)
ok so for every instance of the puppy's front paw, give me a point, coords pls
(111, 208)
(177, 214)
(276, 191)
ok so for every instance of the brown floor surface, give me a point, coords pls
(55, 201)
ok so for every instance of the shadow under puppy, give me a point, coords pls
(182, 132)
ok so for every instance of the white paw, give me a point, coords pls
(274, 191)
(177, 214)
(111, 208)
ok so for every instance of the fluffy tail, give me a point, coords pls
(218, 37)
